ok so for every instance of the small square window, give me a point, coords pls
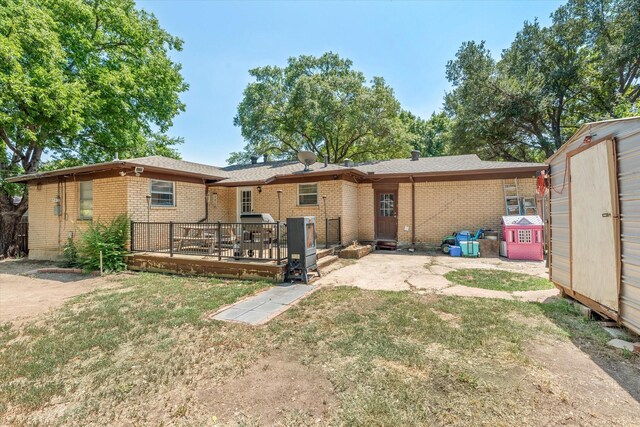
(524, 236)
(162, 193)
(307, 194)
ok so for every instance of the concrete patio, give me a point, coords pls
(424, 272)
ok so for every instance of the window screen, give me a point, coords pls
(86, 200)
(307, 194)
(162, 193)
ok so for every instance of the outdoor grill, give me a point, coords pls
(257, 236)
(301, 247)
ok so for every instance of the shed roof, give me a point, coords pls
(593, 128)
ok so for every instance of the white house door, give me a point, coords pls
(594, 213)
(245, 201)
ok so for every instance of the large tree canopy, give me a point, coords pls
(585, 66)
(320, 104)
(80, 80)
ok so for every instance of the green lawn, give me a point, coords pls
(498, 280)
(142, 353)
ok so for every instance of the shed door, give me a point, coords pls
(593, 224)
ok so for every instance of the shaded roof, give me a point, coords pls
(261, 172)
(151, 163)
(269, 171)
(442, 164)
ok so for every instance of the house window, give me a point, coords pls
(162, 193)
(307, 194)
(86, 200)
(246, 201)
(524, 236)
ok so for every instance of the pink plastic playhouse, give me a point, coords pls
(522, 237)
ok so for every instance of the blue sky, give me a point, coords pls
(407, 43)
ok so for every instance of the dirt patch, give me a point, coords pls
(452, 319)
(591, 390)
(275, 388)
(23, 297)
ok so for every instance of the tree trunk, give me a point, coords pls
(10, 217)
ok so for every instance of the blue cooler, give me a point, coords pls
(463, 236)
(470, 248)
(455, 251)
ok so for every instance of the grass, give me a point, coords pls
(498, 280)
(392, 358)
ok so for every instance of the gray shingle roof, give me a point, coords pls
(264, 171)
(170, 164)
(261, 172)
(466, 162)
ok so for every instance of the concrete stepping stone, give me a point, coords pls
(261, 308)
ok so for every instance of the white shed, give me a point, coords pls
(594, 218)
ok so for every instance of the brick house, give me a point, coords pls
(413, 201)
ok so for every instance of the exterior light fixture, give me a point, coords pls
(259, 189)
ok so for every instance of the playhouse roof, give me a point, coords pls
(522, 220)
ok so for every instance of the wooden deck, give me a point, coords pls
(196, 264)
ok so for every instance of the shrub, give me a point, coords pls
(70, 253)
(111, 240)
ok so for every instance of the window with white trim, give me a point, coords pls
(246, 201)
(86, 200)
(163, 193)
(307, 194)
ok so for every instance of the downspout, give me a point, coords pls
(413, 213)
(206, 202)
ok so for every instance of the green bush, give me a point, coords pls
(70, 252)
(111, 240)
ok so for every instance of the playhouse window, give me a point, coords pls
(524, 236)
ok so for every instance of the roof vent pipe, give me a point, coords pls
(116, 157)
(254, 159)
(265, 158)
(415, 155)
(326, 160)
(347, 163)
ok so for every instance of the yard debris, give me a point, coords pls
(636, 347)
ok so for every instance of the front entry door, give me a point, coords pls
(386, 206)
(593, 224)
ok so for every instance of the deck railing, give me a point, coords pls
(235, 240)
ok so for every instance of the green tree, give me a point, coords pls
(320, 104)
(430, 137)
(80, 80)
(583, 67)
